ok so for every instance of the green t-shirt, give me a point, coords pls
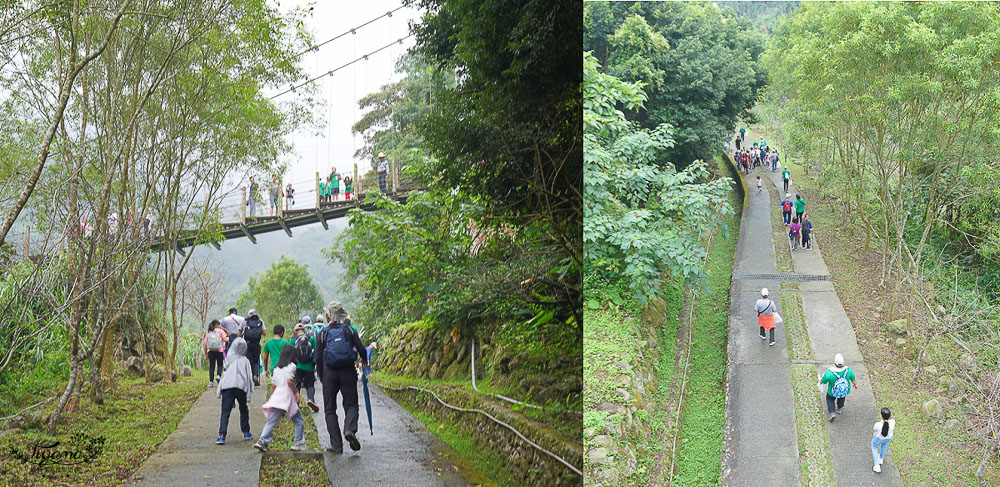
(829, 378)
(308, 367)
(273, 349)
(800, 205)
(322, 189)
(348, 185)
(786, 175)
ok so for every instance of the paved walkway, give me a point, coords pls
(189, 455)
(761, 437)
(402, 451)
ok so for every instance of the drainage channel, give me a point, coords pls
(779, 277)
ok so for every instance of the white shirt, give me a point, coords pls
(878, 429)
(281, 375)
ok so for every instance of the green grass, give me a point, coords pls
(796, 334)
(810, 424)
(134, 420)
(484, 460)
(275, 472)
(699, 454)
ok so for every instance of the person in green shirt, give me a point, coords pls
(335, 184)
(272, 348)
(834, 404)
(305, 375)
(348, 186)
(786, 176)
(322, 192)
(800, 206)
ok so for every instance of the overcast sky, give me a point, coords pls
(336, 145)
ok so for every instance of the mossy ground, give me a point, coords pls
(135, 418)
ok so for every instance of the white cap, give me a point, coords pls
(788, 195)
(838, 360)
(763, 292)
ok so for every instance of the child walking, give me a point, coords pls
(760, 185)
(236, 386)
(214, 345)
(284, 401)
(881, 438)
(794, 231)
(348, 186)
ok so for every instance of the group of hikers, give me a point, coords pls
(329, 349)
(836, 382)
(329, 190)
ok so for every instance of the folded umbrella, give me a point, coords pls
(368, 401)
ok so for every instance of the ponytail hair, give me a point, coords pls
(885, 421)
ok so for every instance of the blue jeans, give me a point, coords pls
(787, 216)
(229, 399)
(272, 421)
(880, 447)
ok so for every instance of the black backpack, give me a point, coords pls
(304, 349)
(338, 351)
(254, 329)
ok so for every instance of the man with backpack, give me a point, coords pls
(839, 380)
(305, 375)
(337, 348)
(253, 329)
(786, 209)
(786, 177)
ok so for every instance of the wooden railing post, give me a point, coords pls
(281, 208)
(355, 183)
(243, 207)
(317, 190)
(395, 175)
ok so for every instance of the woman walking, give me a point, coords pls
(214, 344)
(800, 206)
(765, 309)
(881, 438)
(839, 380)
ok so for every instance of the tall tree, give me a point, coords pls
(281, 294)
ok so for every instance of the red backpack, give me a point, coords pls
(787, 205)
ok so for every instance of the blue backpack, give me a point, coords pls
(338, 352)
(841, 387)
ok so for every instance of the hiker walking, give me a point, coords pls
(233, 322)
(786, 177)
(807, 227)
(743, 133)
(786, 209)
(337, 348)
(774, 160)
(214, 344)
(236, 386)
(738, 143)
(881, 438)
(272, 348)
(383, 172)
(766, 313)
(760, 185)
(284, 401)
(305, 375)
(839, 380)
(800, 206)
(253, 329)
(794, 233)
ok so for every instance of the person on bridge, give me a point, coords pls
(348, 186)
(322, 190)
(383, 172)
(274, 191)
(235, 386)
(839, 380)
(289, 196)
(337, 348)
(284, 401)
(252, 197)
(305, 374)
(765, 309)
(253, 329)
(335, 181)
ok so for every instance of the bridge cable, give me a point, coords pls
(363, 57)
(352, 30)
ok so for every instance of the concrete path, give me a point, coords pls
(761, 445)
(831, 332)
(401, 452)
(189, 455)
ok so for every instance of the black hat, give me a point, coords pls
(232, 310)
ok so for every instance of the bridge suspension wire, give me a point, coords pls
(352, 30)
(363, 57)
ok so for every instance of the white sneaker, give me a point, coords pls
(298, 447)
(877, 469)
